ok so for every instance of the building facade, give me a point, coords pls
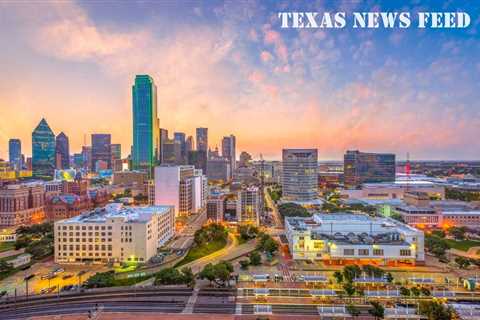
(22, 204)
(182, 187)
(229, 152)
(15, 153)
(219, 169)
(249, 206)
(354, 239)
(101, 151)
(299, 181)
(62, 151)
(202, 139)
(43, 150)
(146, 139)
(114, 234)
(362, 167)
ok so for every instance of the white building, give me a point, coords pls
(354, 238)
(394, 190)
(114, 234)
(183, 187)
(300, 178)
(249, 205)
(21, 260)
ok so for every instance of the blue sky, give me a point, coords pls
(229, 66)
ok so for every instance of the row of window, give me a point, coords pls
(84, 247)
(85, 240)
(84, 228)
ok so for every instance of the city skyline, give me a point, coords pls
(334, 90)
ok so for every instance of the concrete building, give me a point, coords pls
(229, 152)
(219, 169)
(202, 139)
(101, 152)
(182, 187)
(300, 167)
(394, 190)
(22, 204)
(66, 206)
(354, 238)
(362, 167)
(114, 234)
(249, 206)
(216, 206)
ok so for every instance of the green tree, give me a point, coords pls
(338, 276)
(255, 259)
(349, 289)
(291, 209)
(404, 291)
(435, 310)
(208, 272)
(462, 262)
(389, 277)
(415, 291)
(244, 264)
(352, 310)
(377, 310)
(351, 272)
(5, 266)
(188, 276)
(457, 232)
(425, 291)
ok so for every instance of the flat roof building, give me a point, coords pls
(354, 238)
(115, 233)
(300, 179)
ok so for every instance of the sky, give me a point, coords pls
(229, 66)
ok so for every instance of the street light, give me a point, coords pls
(28, 278)
(80, 274)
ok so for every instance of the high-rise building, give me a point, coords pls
(172, 153)
(202, 139)
(229, 152)
(117, 164)
(163, 134)
(182, 187)
(300, 169)
(87, 157)
(15, 153)
(146, 139)
(362, 167)
(188, 146)
(198, 159)
(43, 150)
(245, 159)
(249, 205)
(180, 137)
(62, 152)
(219, 169)
(101, 150)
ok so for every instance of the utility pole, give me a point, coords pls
(27, 278)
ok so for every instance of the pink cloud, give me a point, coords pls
(266, 56)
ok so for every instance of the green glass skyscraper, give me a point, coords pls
(145, 124)
(43, 150)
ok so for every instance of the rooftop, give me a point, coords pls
(118, 210)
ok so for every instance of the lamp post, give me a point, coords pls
(80, 274)
(27, 278)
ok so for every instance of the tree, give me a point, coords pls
(5, 266)
(415, 291)
(188, 276)
(247, 232)
(462, 262)
(352, 310)
(425, 291)
(244, 264)
(404, 291)
(208, 272)
(349, 289)
(291, 209)
(435, 310)
(377, 310)
(389, 277)
(457, 232)
(101, 280)
(169, 276)
(255, 259)
(351, 272)
(338, 276)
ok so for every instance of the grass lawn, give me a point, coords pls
(463, 245)
(5, 246)
(202, 251)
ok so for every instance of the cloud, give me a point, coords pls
(266, 56)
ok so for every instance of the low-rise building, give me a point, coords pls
(115, 233)
(354, 238)
(20, 260)
(216, 206)
(395, 190)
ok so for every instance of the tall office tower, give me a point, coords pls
(202, 139)
(117, 163)
(43, 150)
(62, 152)
(361, 167)
(163, 134)
(228, 151)
(87, 157)
(182, 187)
(180, 137)
(146, 138)
(198, 159)
(188, 146)
(172, 153)
(101, 151)
(15, 153)
(249, 206)
(300, 170)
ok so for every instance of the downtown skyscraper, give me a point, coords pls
(62, 152)
(15, 153)
(145, 148)
(43, 150)
(229, 152)
(300, 174)
(101, 152)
